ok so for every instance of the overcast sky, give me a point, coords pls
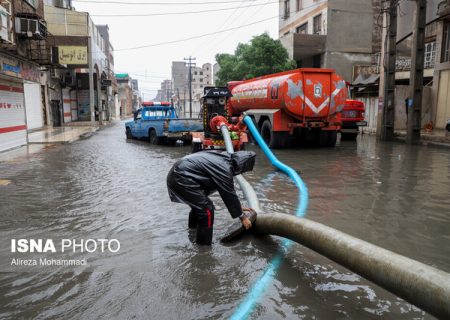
(166, 26)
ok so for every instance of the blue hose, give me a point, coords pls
(303, 190)
(246, 307)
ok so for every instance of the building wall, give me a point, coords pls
(349, 33)
(310, 9)
(441, 80)
(179, 79)
(349, 38)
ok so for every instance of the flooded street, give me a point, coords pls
(389, 194)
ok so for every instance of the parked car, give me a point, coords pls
(159, 123)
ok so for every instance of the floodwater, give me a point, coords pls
(389, 194)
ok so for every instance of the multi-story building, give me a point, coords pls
(179, 81)
(330, 33)
(23, 50)
(201, 77)
(129, 98)
(216, 68)
(166, 91)
(81, 76)
(435, 75)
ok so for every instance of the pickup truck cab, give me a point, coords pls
(352, 117)
(159, 123)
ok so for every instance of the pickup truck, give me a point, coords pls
(159, 123)
(352, 117)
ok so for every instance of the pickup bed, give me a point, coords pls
(160, 124)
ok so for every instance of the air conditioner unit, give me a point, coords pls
(60, 4)
(31, 28)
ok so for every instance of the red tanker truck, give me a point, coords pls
(300, 105)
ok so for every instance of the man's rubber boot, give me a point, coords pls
(205, 227)
(192, 223)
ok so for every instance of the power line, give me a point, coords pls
(208, 34)
(221, 26)
(162, 3)
(195, 37)
(177, 13)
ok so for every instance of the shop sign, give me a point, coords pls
(72, 55)
(9, 66)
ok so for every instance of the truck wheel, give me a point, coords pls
(323, 138)
(349, 135)
(128, 133)
(274, 140)
(332, 138)
(152, 137)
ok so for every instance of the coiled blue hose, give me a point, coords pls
(246, 307)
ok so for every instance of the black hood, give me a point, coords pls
(243, 161)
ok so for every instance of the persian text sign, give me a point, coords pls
(72, 55)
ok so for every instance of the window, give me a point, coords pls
(317, 24)
(446, 43)
(195, 72)
(201, 73)
(430, 55)
(201, 79)
(303, 29)
(156, 113)
(286, 9)
(139, 115)
(299, 5)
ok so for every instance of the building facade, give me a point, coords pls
(81, 77)
(441, 75)
(434, 101)
(201, 77)
(129, 98)
(326, 34)
(23, 50)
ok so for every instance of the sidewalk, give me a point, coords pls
(436, 137)
(60, 134)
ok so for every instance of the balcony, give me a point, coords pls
(444, 8)
(302, 46)
(64, 22)
(6, 34)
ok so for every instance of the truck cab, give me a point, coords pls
(352, 117)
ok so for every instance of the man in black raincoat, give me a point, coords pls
(193, 178)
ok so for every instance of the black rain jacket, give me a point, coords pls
(196, 176)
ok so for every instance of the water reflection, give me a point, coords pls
(391, 195)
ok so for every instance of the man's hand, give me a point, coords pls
(246, 222)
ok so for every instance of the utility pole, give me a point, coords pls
(416, 84)
(91, 82)
(387, 129)
(190, 64)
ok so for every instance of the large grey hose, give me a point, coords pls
(422, 285)
(247, 189)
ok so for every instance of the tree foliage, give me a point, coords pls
(263, 55)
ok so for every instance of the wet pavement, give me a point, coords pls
(389, 194)
(59, 134)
